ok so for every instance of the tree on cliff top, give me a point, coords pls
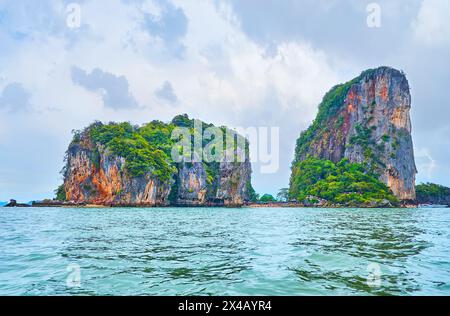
(266, 198)
(283, 195)
(429, 192)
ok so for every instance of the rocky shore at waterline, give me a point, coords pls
(56, 203)
(292, 204)
(14, 203)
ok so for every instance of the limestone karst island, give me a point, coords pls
(125, 165)
(358, 152)
(359, 149)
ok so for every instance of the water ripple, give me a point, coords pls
(204, 251)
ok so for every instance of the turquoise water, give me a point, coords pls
(216, 251)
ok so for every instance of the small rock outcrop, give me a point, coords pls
(13, 203)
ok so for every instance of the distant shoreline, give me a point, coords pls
(56, 204)
(299, 205)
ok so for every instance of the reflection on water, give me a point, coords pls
(203, 251)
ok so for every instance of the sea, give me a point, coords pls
(224, 251)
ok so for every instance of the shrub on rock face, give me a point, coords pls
(143, 152)
(345, 183)
(60, 193)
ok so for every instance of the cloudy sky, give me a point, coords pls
(238, 63)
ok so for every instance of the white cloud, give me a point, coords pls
(239, 73)
(238, 84)
(432, 25)
(223, 75)
(426, 164)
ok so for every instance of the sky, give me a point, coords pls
(251, 63)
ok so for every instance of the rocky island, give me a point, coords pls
(118, 164)
(359, 150)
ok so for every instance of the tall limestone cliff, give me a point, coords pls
(125, 165)
(366, 121)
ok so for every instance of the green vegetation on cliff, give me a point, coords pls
(148, 148)
(343, 183)
(266, 198)
(283, 195)
(60, 193)
(331, 103)
(430, 189)
(144, 149)
(252, 195)
(365, 120)
(432, 193)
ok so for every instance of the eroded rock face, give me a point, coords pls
(371, 125)
(229, 188)
(94, 176)
(192, 186)
(234, 180)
